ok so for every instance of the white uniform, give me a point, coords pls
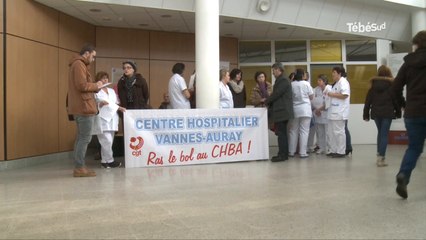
(225, 96)
(106, 123)
(177, 99)
(320, 121)
(338, 113)
(299, 125)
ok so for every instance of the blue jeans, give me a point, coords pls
(383, 126)
(84, 136)
(416, 130)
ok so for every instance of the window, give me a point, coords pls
(248, 77)
(255, 52)
(361, 50)
(326, 51)
(290, 51)
(359, 78)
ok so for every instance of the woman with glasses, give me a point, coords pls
(132, 88)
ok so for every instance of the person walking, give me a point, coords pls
(381, 105)
(82, 106)
(280, 102)
(412, 74)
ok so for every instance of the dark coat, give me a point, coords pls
(140, 93)
(413, 74)
(240, 97)
(379, 100)
(280, 102)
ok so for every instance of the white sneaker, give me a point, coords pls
(319, 151)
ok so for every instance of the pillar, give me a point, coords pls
(207, 53)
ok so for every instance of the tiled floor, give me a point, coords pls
(318, 197)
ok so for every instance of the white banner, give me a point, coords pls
(196, 136)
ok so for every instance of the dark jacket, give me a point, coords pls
(238, 91)
(81, 88)
(281, 100)
(379, 100)
(413, 74)
(140, 93)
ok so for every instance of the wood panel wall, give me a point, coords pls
(38, 53)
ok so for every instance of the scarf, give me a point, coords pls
(263, 90)
(129, 82)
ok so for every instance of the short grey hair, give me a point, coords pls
(279, 66)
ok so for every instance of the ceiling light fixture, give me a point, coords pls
(95, 10)
(228, 21)
(166, 16)
(143, 25)
(282, 28)
(263, 6)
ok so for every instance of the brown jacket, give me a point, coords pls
(256, 96)
(81, 88)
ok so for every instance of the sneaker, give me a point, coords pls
(304, 156)
(319, 151)
(401, 188)
(338, 155)
(114, 164)
(104, 165)
(83, 172)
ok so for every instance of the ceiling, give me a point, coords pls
(123, 16)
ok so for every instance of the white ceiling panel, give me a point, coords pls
(309, 12)
(316, 19)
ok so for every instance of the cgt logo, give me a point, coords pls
(136, 144)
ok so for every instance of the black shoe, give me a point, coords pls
(401, 188)
(114, 164)
(330, 154)
(338, 155)
(348, 151)
(104, 165)
(278, 159)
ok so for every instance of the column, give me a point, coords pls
(207, 53)
(418, 21)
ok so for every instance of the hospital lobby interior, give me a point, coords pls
(318, 197)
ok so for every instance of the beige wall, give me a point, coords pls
(38, 52)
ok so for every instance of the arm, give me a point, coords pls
(338, 95)
(398, 86)
(186, 93)
(236, 87)
(81, 79)
(367, 106)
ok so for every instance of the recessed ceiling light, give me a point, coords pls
(228, 21)
(106, 19)
(328, 33)
(166, 16)
(143, 25)
(95, 10)
(282, 28)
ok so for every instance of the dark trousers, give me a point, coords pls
(348, 137)
(281, 132)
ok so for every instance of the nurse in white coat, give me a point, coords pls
(106, 122)
(338, 112)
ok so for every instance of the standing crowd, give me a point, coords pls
(297, 112)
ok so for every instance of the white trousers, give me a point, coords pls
(298, 130)
(106, 139)
(311, 138)
(320, 130)
(336, 135)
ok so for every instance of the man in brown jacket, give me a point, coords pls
(82, 105)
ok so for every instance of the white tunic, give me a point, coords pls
(301, 101)
(319, 101)
(107, 119)
(339, 108)
(225, 96)
(177, 99)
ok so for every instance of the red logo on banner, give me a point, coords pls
(136, 144)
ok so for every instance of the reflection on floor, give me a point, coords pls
(317, 197)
